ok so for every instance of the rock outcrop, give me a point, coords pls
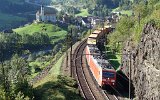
(144, 61)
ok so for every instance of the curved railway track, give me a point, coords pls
(78, 73)
(110, 97)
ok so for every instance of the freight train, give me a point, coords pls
(102, 70)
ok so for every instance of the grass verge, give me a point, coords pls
(57, 87)
(115, 59)
(54, 32)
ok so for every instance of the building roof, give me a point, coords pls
(38, 12)
(49, 10)
(108, 26)
(96, 32)
(101, 29)
(85, 19)
(91, 41)
(93, 36)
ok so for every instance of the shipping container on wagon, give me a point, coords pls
(101, 69)
(93, 65)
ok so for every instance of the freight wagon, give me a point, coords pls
(102, 70)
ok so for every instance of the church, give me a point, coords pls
(46, 14)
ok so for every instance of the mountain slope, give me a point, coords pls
(138, 40)
(15, 13)
(144, 63)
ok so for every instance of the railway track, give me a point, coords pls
(86, 90)
(78, 73)
(110, 97)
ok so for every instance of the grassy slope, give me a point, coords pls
(10, 18)
(83, 13)
(30, 29)
(7, 19)
(128, 12)
(114, 59)
(50, 28)
(53, 73)
(51, 87)
(40, 65)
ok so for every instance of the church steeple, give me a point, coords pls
(42, 7)
(42, 10)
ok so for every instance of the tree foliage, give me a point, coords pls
(123, 30)
(20, 96)
(99, 10)
(109, 3)
(15, 77)
(131, 27)
(14, 43)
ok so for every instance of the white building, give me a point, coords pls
(46, 14)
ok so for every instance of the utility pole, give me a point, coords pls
(130, 57)
(90, 26)
(71, 50)
(103, 30)
(67, 40)
(71, 43)
(139, 19)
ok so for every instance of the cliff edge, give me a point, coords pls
(144, 61)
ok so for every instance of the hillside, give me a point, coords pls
(144, 63)
(132, 26)
(136, 38)
(31, 57)
(108, 3)
(15, 13)
(54, 32)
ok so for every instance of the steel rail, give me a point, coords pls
(85, 90)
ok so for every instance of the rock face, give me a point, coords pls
(144, 61)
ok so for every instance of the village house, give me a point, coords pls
(85, 21)
(96, 21)
(115, 16)
(46, 14)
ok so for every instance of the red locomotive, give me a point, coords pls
(102, 70)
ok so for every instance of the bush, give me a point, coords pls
(24, 90)
(66, 81)
(123, 30)
(37, 69)
(31, 57)
(2, 94)
(20, 96)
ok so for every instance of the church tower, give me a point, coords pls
(42, 10)
(42, 13)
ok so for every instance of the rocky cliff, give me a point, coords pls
(144, 61)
